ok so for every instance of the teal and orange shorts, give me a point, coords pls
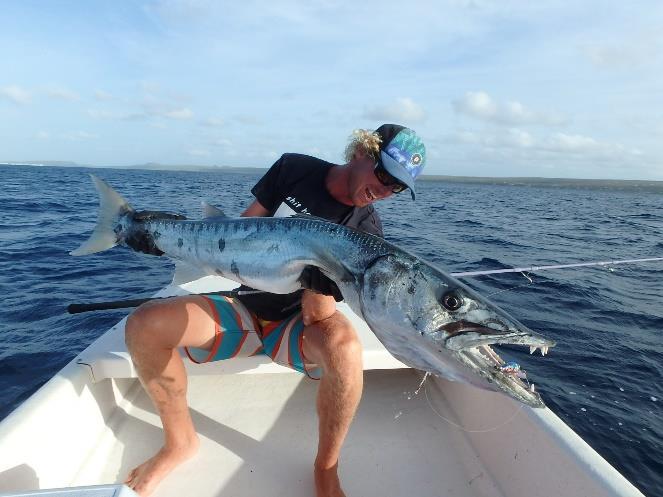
(239, 333)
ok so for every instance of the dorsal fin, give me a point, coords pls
(210, 211)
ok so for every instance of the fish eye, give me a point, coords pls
(451, 301)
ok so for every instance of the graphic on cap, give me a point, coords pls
(408, 150)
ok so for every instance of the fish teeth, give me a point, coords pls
(544, 350)
(532, 349)
(531, 388)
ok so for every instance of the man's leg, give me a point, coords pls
(333, 344)
(153, 334)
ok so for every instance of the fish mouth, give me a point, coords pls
(463, 334)
(471, 342)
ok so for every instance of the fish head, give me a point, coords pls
(430, 320)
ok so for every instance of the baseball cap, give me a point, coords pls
(402, 153)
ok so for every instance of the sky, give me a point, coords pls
(494, 88)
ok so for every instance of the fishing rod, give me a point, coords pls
(123, 304)
(530, 269)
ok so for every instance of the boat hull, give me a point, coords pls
(92, 422)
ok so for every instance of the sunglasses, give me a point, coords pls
(387, 179)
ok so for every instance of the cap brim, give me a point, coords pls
(397, 171)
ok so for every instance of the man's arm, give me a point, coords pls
(315, 306)
(256, 209)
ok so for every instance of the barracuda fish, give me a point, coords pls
(424, 317)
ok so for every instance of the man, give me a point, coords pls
(378, 164)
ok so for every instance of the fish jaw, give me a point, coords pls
(485, 363)
(470, 343)
(408, 305)
(467, 334)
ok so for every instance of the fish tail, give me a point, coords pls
(112, 208)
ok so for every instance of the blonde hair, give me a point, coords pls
(363, 140)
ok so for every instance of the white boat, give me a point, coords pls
(92, 423)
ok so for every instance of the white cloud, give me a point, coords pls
(476, 104)
(481, 106)
(116, 115)
(62, 94)
(514, 152)
(573, 143)
(511, 138)
(43, 135)
(249, 120)
(101, 114)
(402, 110)
(199, 152)
(519, 138)
(183, 113)
(212, 122)
(153, 112)
(586, 145)
(79, 136)
(630, 49)
(150, 87)
(559, 144)
(181, 10)
(158, 102)
(16, 94)
(102, 95)
(613, 56)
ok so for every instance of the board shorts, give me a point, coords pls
(239, 333)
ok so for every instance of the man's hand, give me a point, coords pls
(316, 307)
(313, 279)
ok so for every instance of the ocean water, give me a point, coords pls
(603, 378)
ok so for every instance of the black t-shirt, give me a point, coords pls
(295, 184)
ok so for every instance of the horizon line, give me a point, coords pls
(199, 168)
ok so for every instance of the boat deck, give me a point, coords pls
(396, 446)
(93, 422)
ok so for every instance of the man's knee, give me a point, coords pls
(345, 344)
(142, 327)
(339, 343)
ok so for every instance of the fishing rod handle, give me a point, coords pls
(124, 304)
(104, 306)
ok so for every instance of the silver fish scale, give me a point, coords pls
(267, 253)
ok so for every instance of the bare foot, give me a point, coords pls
(327, 483)
(145, 478)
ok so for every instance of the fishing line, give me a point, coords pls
(523, 271)
(430, 404)
(530, 269)
(529, 279)
(422, 384)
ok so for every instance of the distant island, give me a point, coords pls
(619, 184)
(625, 184)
